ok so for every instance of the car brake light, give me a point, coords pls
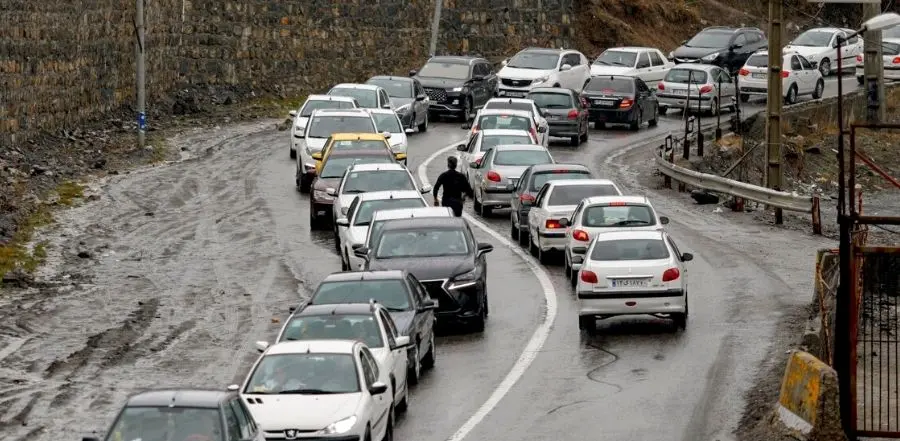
(573, 114)
(580, 235)
(616, 204)
(660, 86)
(744, 72)
(552, 224)
(493, 176)
(588, 276)
(706, 89)
(859, 59)
(671, 274)
(785, 73)
(475, 129)
(896, 60)
(626, 103)
(526, 198)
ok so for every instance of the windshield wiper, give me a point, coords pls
(602, 62)
(619, 63)
(632, 221)
(309, 392)
(391, 309)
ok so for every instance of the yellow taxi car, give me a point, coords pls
(355, 141)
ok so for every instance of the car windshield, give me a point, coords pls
(630, 249)
(601, 216)
(453, 71)
(757, 60)
(422, 243)
(394, 88)
(573, 194)
(166, 423)
(491, 141)
(325, 126)
(358, 144)
(508, 122)
(367, 98)
(540, 179)
(306, 373)
(522, 157)
(534, 60)
(813, 38)
(615, 85)
(378, 180)
(387, 122)
(681, 76)
(890, 49)
(308, 108)
(336, 166)
(367, 209)
(549, 100)
(710, 39)
(510, 105)
(334, 327)
(391, 294)
(892, 32)
(616, 58)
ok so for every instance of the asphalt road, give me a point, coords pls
(183, 267)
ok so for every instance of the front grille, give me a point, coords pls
(436, 94)
(687, 60)
(515, 83)
(437, 292)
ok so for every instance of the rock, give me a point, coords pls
(149, 214)
(84, 254)
(813, 149)
(703, 197)
(99, 164)
(284, 125)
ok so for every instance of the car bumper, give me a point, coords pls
(631, 302)
(322, 208)
(551, 240)
(458, 305)
(452, 103)
(890, 73)
(563, 129)
(570, 254)
(279, 436)
(495, 197)
(612, 115)
(673, 101)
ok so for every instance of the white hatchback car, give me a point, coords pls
(646, 63)
(485, 140)
(338, 384)
(602, 214)
(363, 178)
(525, 105)
(818, 45)
(353, 228)
(301, 117)
(387, 121)
(507, 119)
(798, 77)
(557, 200)
(632, 273)
(890, 54)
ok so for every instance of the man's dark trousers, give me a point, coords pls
(455, 204)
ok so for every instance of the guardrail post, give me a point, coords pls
(700, 139)
(667, 180)
(718, 112)
(816, 216)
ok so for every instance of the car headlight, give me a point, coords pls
(337, 427)
(322, 195)
(464, 280)
(541, 80)
(710, 57)
(403, 109)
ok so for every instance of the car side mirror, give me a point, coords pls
(387, 135)
(428, 305)
(402, 342)
(345, 210)
(475, 164)
(564, 222)
(687, 257)
(317, 156)
(413, 72)
(293, 113)
(461, 148)
(421, 97)
(542, 129)
(386, 106)
(342, 222)
(814, 64)
(400, 156)
(565, 67)
(578, 259)
(504, 62)
(484, 248)
(425, 189)
(579, 250)
(291, 309)
(683, 42)
(361, 252)
(465, 126)
(663, 220)
(331, 191)
(409, 130)
(378, 388)
(232, 388)
(736, 46)
(261, 346)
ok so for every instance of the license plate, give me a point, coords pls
(514, 94)
(679, 91)
(549, 117)
(761, 76)
(604, 103)
(629, 283)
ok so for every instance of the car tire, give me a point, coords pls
(293, 154)
(467, 110)
(825, 67)
(543, 256)
(745, 97)
(681, 319)
(429, 358)
(368, 435)
(513, 229)
(532, 248)
(424, 126)
(819, 90)
(587, 323)
(653, 122)
(345, 261)
(713, 107)
(403, 405)
(573, 281)
(791, 97)
(662, 110)
(305, 184)
(476, 205)
(478, 322)
(587, 131)
(575, 140)
(314, 222)
(415, 369)
(636, 124)
(861, 80)
(523, 237)
(389, 431)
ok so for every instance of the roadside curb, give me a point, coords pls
(807, 407)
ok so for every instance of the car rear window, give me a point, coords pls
(511, 122)
(542, 178)
(359, 144)
(324, 104)
(610, 85)
(634, 215)
(335, 166)
(757, 60)
(492, 141)
(682, 75)
(573, 194)
(522, 157)
(509, 105)
(630, 249)
(549, 100)
(890, 48)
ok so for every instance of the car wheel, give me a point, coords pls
(532, 247)
(825, 67)
(820, 88)
(293, 154)
(636, 124)
(861, 80)
(513, 229)
(653, 122)
(314, 222)
(575, 140)
(791, 96)
(478, 322)
(567, 267)
(587, 323)
(305, 184)
(574, 279)
(337, 239)
(389, 431)
(424, 126)
(368, 435)
(543, 256)
(587, 130)
(476, 205)
(662, 110)
(345, 262)
(745, 97)
(467, 110)
(714, 107)
(429, 358)
(523, 237)
(681, 319)
(415, 367)
(297, 182)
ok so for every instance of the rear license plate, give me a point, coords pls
(604, 103)
(629, 283)
(679, 91)
(514, 94)
(552, 117)
(761, 76)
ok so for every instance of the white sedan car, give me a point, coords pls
(363, 178)
(507, 119)
(353, 228)
(890, 54)
(301, 117)
(338, 385)
(387, 121)
(818, 46)
(646, 63)
(485, 140)
(603, 214)
(557, 200)
(525, 105)
(632, 273)
(798, 77)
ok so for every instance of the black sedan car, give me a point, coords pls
(620, 99)
(409, 98)
(525, 191)
(443, 254)
(565, 111)
(457, 85)
(401, 294)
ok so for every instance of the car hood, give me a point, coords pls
(400, 102)
(807, 51)
(524, 74)
(315, 144)
(403, 320)
(397, 139)
(440, 83)
(426, 268)
(326, 183)
(695, 52)
(302, 412)
(601, 70)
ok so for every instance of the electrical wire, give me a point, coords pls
(886, 229)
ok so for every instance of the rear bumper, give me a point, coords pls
(633, 302)
(676, 101)
(563, 129)
(496, 197)
(551, 240)
(612, 115)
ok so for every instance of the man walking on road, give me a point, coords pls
(455, 187)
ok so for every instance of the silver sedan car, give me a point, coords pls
(495, 175)
(703, 80)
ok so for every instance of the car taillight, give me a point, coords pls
(706, 89)
(671, 274)
(475, 129)
(573, 114)
(660, 86)
(744, 72)
(493, 176)
(580, 235)
(616, 204)
(626, 103)
(859, 59)
(552, 224)
(785, 73)
(588, 276)
(526, 198)
(896, 60)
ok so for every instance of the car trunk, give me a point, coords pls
(510, 173)
(634, 275)
(556, 115)
(607, 99)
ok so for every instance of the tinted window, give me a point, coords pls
(358, 144)
(325, 126)
(890, 48)
(394, 88)
(445, 70)
(522, 157)
(547, 100)
(656, 59)
(387, 122)
(491, 141)
(367, 98)
(336, 166)
(152, 423)
(616, 58)
(682, 75)
(390, 293)
(611, 85)
(310, 374)
(758, 60)
(334, 327)
(379, 180)
(422, 243)
(368, 208)
(232, 424)
(243, 420)
(324, 104)
(541, 178)
(630, 249)
(893, 32)
(620, 216)
(813, 38)
(511, 122)
(510, 105)
(710, 39)
(573, 194)
(534, 60)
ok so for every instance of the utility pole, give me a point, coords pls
(435, 26)
(141, 72)
(774, 102)
(874, 68)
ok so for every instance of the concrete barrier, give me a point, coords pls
(808, 404)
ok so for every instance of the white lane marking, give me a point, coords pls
(540, 334)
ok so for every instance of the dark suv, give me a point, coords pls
(457, 85)
(722, 46)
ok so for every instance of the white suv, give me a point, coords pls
(301, 117)
(539, 67)
(632, 273)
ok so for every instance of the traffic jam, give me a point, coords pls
(343, 365)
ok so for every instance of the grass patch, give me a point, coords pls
(277, 107)
(16, 254)
(68, 192)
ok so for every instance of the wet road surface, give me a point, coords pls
(186, 265)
